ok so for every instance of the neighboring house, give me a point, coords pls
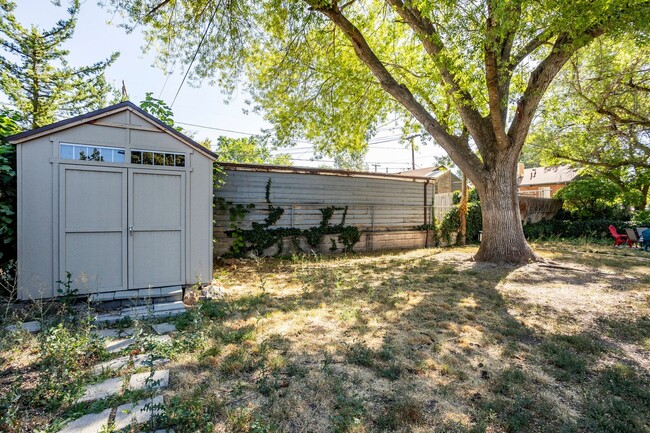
(446, 181)
(543, 182)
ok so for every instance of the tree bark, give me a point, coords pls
(462, 210)
(503, 235)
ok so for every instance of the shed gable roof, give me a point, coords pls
(94, 116)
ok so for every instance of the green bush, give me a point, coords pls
(592, 198)
(8, 126)
(451, 223)
(594, 229)
(641, 218)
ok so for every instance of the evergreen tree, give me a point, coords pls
(36, 76)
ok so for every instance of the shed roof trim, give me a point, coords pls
(104, 112)
(321, 171)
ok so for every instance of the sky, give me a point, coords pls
(200, 110)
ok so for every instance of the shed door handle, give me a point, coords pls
(130, 230)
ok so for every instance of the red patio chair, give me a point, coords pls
(619, 239)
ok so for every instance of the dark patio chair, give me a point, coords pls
(632, 237)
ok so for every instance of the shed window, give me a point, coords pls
(83, 152)
(167, 159)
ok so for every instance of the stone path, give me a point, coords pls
(164, 328)
(31, 327)
(115, 346)
(91, 423)
(167, 309)
(137, 412)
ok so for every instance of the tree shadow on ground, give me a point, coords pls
(424, 344)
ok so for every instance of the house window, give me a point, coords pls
(167, 159)
(83, 152)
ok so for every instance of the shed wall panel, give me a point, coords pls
(35, 229)
(200, 201)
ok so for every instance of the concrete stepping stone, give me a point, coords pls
(113, 333)
(139, 412)
(162, 338)
(164, 328)
(101, 390)
(91, 423)
(31, 327)
(166, 309)
(158, 380)
(141, 361)
(113, 346)
(112, 365)
(108, 318)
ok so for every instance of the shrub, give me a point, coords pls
(451, 223)
(641, 218)
(8, 126)
(594, 229)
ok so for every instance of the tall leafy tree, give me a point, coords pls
(471, 72)
(597, 117)
(36, 76)
(251, 150)
(159, 108)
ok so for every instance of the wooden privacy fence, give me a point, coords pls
(442, 204)
(372, 203)
(303, 216)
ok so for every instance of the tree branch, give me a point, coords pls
(539, 40)
(540, 79)
(462, 154)
(433, 45)
(497, 76)
(626, 163)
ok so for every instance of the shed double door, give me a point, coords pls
(121, 228)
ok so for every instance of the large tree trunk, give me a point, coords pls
(503, 236)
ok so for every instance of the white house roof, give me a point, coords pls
(547, 175)
(430, 172)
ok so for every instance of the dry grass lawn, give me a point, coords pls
(417, 341)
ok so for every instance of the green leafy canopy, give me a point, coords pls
(471, 73)
(596, 117)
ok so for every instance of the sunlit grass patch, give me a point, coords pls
(412, 341)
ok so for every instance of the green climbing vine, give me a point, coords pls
(236, 214)
(262, 236)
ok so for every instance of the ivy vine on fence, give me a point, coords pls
(262, 236)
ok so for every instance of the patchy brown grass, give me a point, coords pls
(429, 341)
(421, 341)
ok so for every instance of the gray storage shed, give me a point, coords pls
(117, 198)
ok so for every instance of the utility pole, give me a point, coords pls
(412, 154)
(412, 137)
(376, 166)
